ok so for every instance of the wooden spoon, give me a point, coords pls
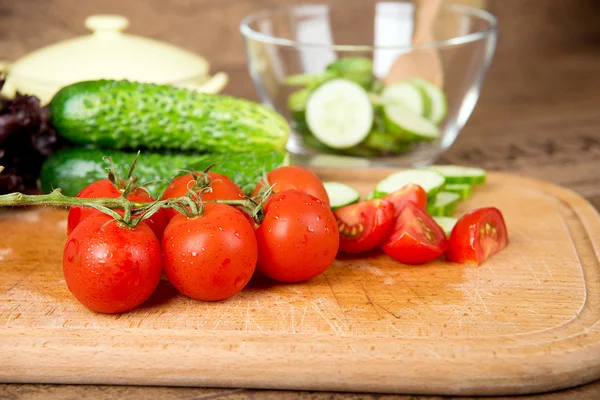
(422, 62)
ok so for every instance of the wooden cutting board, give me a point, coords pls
(526, 321)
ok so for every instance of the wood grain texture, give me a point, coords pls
(526, 321)
(537, 114)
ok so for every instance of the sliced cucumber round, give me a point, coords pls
(407, 95)
(430, 181)
(459, 174)
(339, 113)
(446, 223)
(408, 125)
(436, 98)
(443, 204)
(340, 194)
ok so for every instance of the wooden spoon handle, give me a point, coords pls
(426, 13)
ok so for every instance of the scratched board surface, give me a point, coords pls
(458, 329)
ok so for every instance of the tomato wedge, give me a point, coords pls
(406, 193)
(477, 236)
(364, 226)
(416, 238)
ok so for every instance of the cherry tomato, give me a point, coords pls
(293, 177)
(222, 188)
(416, 238)
(210, 257)
(477, 236)
(298, 237)
(406, 193)
(105, 188)
(364, 226)
(111, 268)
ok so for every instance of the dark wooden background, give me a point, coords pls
(538, 114)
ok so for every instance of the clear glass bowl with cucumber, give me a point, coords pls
(326, 68)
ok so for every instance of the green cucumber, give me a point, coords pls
(72, 169)
(124, 114)
(385, 142)
(443, 204)
(446, 223)
(377, 86)
(297, 100)
(340, 194)
(460, 174)
(430, 181)
(339, 113)
(297, 106)
(302, 79)
(462, 189)
(408, 125)
(435, 97)
(407, 95)
(357, 69)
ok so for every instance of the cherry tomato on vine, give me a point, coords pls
(406, 193)
(477, 236)
(364, 226)
(298, 237)
(212, 256)
(111, 268)
(416, 238)
(221, 188)
(105, 188)
(294, 177)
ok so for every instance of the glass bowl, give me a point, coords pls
(370, 84)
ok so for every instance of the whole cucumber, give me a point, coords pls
(125, 114)
(73, 169)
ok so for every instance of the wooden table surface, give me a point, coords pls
(538, 114)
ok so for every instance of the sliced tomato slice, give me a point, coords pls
(364, 226)
(407, 193)
(416, 238)
(477, 236)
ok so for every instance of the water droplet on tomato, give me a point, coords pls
(72, 249)
(239, 282)
(194, 253)
(310, 229)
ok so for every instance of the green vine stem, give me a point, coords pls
(137, 211)
(56, 198)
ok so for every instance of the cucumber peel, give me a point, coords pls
(460, 174)
(443, 204)
(464, 190)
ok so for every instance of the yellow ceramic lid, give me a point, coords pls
(109, 53)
